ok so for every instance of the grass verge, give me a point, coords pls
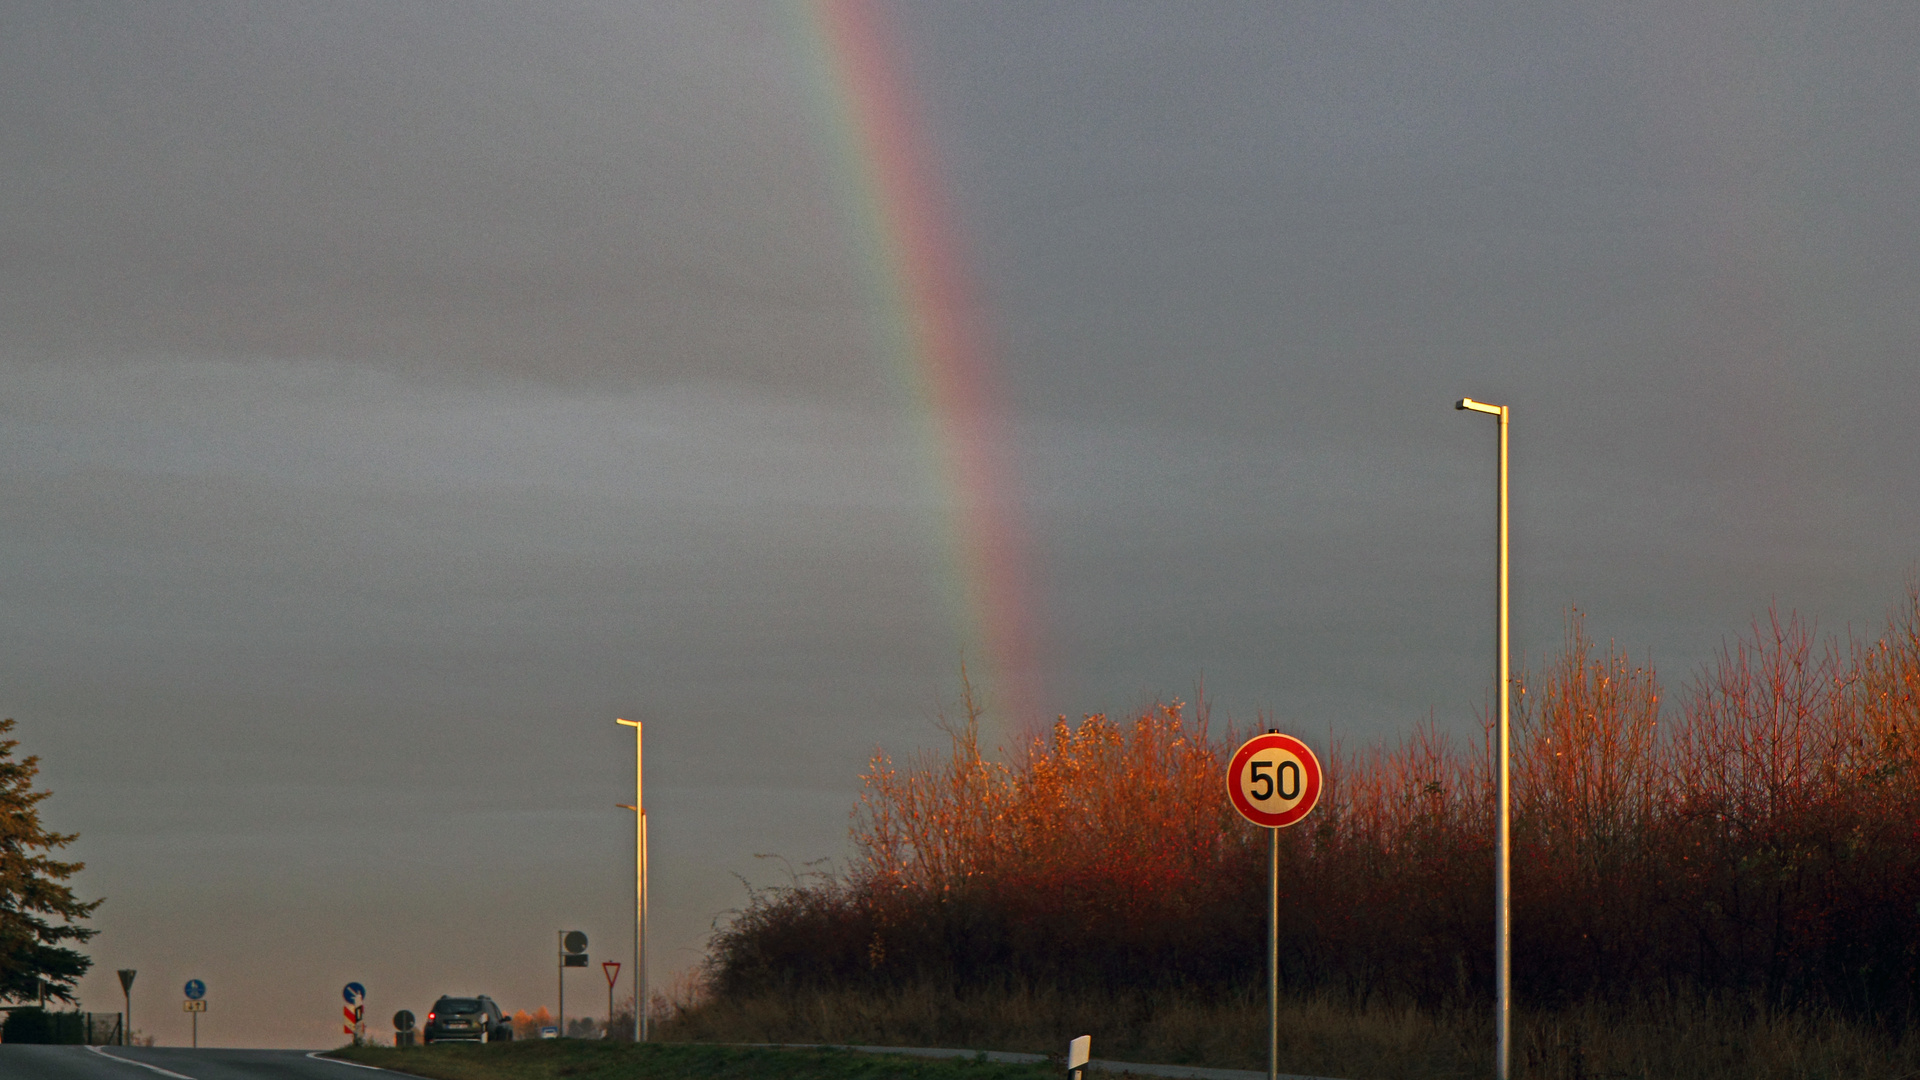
(584, 1059)
(1659, 1038)
(1670, 1040)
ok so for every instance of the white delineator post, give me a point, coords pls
(639, 807)
(1503, 858)
(1079, 1052)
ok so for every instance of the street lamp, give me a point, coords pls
(638, 806)
(1503, 857)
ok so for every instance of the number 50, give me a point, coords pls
(1288, 771)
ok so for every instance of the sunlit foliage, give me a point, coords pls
(1759, 837)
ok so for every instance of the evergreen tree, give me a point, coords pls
(31, 891)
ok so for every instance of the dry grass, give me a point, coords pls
(1668, 1040)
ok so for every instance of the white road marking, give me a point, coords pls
(142, 1064)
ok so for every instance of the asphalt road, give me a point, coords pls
(153, 1063)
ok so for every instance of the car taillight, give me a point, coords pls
(429, 1016)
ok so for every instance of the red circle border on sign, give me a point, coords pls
(1300, 809)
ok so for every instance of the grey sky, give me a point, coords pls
(390, 396)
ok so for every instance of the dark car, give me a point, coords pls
(466, 1019)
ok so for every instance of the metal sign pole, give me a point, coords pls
(126, 1023)
(560, 975)
(1273, 960)
(640, 953)
(612, 970)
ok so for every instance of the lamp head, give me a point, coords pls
(629, 723)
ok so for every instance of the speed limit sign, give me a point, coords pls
(1274, 780)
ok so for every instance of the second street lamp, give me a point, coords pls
(1503, 857)
(639, 808)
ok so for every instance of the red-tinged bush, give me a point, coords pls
(1587, 795)
(1764, 843)
(1792, 805)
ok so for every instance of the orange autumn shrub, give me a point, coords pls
(1761, 839)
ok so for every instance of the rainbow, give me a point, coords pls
(928, 325)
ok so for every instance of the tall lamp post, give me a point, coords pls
(1503, 857)
(639, 808)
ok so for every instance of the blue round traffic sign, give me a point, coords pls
(196, 989)
(354, 993)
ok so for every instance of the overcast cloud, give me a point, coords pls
(393, 395)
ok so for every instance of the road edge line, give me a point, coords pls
(142, 1064)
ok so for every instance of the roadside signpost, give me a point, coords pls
(196, 1004)
(355, 1011)
(403, 1028)
(573, 953)
(126, 990)
(612, 968)
(1273, 781)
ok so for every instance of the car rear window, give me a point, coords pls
(457, 1005)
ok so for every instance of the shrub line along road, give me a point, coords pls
(143, 1063)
